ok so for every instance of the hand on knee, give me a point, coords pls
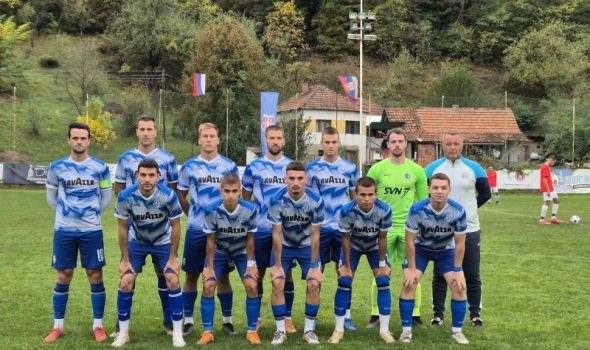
(209, 289)
(172, 281)
(126, 284)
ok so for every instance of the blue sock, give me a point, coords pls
(406, 307)
(311, 311)
(458, 309)
(175, 304)
(163, 292)
(289, 296)
(124, 302)
(383, 295)
(60, 300)
(342, 298)
(252, 311)
(226, 301)
(98, 297)
(207, 313)
(188, 300)
(260, 293)
(279, 311)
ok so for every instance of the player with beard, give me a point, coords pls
(400, 182)
(263, 177)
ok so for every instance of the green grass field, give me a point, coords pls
(535, 287)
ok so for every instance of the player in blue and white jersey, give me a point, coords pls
(364, 223)
(201, 177)
(78, 189)
(230, 224)
(264, 177)
(334, 178)
(125, 176)
(435, 231)
(471, 189)
(296, 214)
(148, 216)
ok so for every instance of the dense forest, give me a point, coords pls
(538, 51)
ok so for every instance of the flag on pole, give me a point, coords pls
(268, 115)
(350, 85)
(198, 84)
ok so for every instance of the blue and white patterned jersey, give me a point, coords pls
(230, 228)
(296, 217)
(365, 227)
(203, 181)
(264, 178)
(333, 181)
(463, 173)
(436, 230)
(127, 166)
(149, 218)
(78, 192)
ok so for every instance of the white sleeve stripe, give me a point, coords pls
(121, 216)
(182, 188)
(175, 217)
(411, 229)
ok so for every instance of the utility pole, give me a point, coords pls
(363, 25)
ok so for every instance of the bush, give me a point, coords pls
(49, 62)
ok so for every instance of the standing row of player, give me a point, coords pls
(288, 230)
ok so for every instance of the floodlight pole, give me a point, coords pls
(361, 86)
(14, 118)
(573, 132)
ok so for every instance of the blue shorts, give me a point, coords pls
(355, 257)
(444, 260)
(138, 252)
(195, 251)
(67, 243)
(330, 244)
(262, 249)
(291, 255)
(221, 261)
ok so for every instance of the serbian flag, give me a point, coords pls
(198, 84)
(350, 85)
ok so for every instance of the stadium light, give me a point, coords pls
(363, 25)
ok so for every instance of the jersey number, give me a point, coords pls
(100, 254)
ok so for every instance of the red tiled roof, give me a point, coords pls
(478, 125)
(320, 97)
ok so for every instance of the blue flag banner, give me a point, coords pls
(269, 102)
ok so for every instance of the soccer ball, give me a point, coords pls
(575, 219)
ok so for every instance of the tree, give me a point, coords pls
(558, 129)
(456, 80)
(201, 11)
(153, 35)
(10, 35)
(283, 36)
(298, 138)
(88, 16)
(330, 28)
(548, 62)
(526, 117)
(232, 57)
(399, 74)
(99, 122)
(79, 73)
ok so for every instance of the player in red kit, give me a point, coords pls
(493, 180)
(549, 193)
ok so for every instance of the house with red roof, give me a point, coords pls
(325, 107)
(493, 131)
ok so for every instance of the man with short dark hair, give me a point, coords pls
(78, 190)
(263, 178)
(400, 181)
(296, 214)
(230, 225)
(364, 223)
(125, 176)
(334, 179)
(435, 231)
(148, 216)
(471, 189)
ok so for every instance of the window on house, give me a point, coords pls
(322, 124)
(352, 127)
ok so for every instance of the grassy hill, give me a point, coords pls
(42, 99)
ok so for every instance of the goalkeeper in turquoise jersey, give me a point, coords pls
(400, 182)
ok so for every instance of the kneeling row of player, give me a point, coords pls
(435, 231)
